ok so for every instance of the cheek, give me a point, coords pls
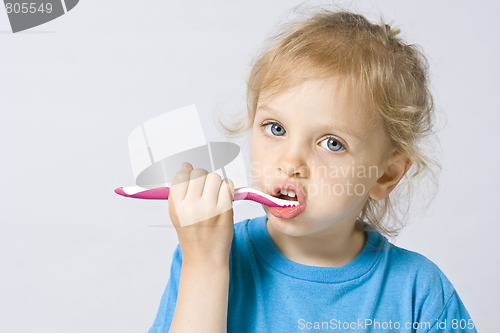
(340, 184)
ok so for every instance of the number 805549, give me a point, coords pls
(28, 8)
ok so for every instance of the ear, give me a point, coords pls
(397, 167)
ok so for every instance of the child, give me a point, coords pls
(336, 108)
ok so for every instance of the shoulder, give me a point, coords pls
(429, 285)
(248, 234)
(239, 227)
(242, 231)
(433, 296)
(241, 237)
(416, 263)
(419, 266)
(408, 270)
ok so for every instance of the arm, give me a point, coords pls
(202, 299)
(200, 206)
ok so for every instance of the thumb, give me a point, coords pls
(231, 188)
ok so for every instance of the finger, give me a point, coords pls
(231, 188)
(196, 183)
(183, 173)
(212, 187)
(187, 165)
(226, 192)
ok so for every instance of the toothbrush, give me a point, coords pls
(241, 193)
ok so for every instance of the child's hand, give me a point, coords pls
(200, 207)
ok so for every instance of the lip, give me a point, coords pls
(288, 213)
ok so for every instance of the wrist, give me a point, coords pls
(206, 263)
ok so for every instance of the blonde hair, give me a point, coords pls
(391, 75)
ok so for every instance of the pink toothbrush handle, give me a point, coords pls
(161, 193)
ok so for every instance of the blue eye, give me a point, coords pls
(332, 144)
(276, 129)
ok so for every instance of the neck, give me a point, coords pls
(324, 249)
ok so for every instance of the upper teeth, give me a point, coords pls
(290, 193)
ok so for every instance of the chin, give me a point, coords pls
(291, 227)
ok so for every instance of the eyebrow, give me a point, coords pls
(347, 131)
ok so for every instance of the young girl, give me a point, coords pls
(336, 110)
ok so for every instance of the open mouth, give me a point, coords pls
(288, 192)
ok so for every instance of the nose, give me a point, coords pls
(293, 162)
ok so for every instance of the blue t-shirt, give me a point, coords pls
(384, 289)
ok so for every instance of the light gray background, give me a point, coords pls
(75, 257)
